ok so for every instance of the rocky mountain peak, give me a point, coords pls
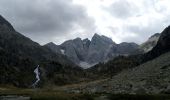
(101, 39)
(51, 44)
(77, 40)
(96, 35)
(163, 43)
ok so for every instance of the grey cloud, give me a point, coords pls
(43, 20)
(122, 9)
(154, 20)
(142, 32)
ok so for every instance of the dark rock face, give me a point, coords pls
(99, 49)
(163, 44)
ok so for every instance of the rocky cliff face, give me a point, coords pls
(162, 46)
(99, 47)
(87, 53)
(150, 43)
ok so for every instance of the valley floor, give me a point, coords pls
(44, 94)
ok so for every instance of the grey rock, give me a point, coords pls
(150, 43)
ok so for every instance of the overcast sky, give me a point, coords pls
(59, 20)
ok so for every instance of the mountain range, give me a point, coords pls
(123, 68)
(87, 53)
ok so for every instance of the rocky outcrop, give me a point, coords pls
(150, 43)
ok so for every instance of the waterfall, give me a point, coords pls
(37, 73)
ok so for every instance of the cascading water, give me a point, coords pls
(37, 73)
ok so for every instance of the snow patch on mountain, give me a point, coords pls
(62, 51)
(85, 65)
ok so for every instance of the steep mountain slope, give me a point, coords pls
(150, 43)
(87, 53)
(20, 55)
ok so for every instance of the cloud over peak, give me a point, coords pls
(60, 20)
(46, 19)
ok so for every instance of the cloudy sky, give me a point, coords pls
(59, 20)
